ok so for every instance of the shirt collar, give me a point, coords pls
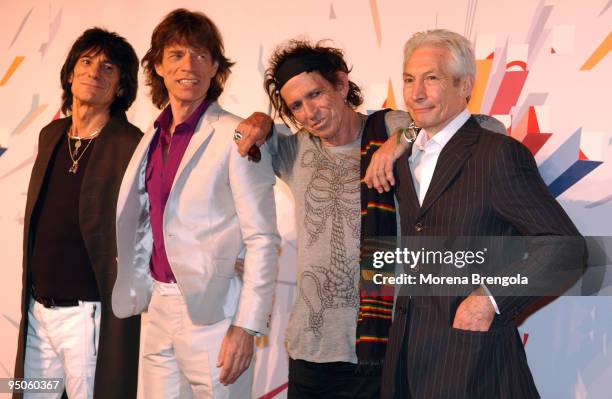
(444, 135)
(165, 118)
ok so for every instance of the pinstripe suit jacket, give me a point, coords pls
(484, 184)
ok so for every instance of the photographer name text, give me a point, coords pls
(430, 279)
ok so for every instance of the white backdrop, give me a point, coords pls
(564, 45)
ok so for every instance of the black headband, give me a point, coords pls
(306, 63)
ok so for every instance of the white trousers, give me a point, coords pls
(62, 343)
(179, 359)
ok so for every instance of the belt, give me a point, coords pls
(55, 303)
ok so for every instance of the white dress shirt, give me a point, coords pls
(424, 157)
(425, 152)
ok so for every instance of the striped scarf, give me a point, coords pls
(377, 220)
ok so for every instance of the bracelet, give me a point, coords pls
(410, 133)
(407, 133)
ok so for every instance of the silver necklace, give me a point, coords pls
(74, 156)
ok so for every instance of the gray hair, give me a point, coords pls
(462, 61)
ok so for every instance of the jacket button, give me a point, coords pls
(418, 227)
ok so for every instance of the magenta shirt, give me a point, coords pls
(159, 178)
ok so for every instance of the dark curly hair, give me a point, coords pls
(195, 29)
(118, 51)
(301, 48)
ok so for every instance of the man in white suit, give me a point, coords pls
(187, 207)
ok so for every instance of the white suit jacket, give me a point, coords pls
(219, 203)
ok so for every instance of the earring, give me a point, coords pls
(120, 92)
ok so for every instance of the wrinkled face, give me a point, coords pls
(316, 104)
(432, 95)
(187, 72)
(94, 80)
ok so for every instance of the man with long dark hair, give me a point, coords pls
(68, 330)
(189, 204)
(308, 85)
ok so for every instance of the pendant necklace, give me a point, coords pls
(74, 155)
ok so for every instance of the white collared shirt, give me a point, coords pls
(425, 153)
(424, 157)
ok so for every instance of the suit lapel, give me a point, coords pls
(406, 184)
(450, 162)
(100, 163)
(49, 141)
(99, 154)
(203, 130)
(133, 178)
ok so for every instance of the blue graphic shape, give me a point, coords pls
(23, 22)
(6, 371)
(33, 108)
(605, 8)
(14, 323)
(2, 150)
(561, 159)
(260, 64)
(53, 28)
(601, 202)
(571, 176)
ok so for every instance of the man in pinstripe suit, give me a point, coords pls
(458, 179)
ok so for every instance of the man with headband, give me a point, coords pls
(308, 85)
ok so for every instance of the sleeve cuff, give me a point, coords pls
(486, 290)
(251, 332)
